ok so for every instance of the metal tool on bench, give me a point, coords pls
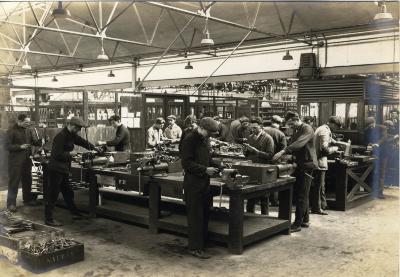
(264, 173)
(151, 162)
(232, 178)
(258, 173)
(286, 170)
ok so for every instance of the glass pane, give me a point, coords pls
(352, 116)
(340, 112)
(304, 110)
(314, 109)
(370, 110)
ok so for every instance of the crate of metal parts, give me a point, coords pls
(35, 246)
(50, 254)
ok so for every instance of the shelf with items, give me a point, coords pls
(268, 108)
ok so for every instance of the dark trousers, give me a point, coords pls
(57, 182)
(378, 173)
(251, 203)
(317, 191)
(198, 203)
(19, 172)
(302, 191)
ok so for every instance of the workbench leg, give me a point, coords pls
(285, 206)
(341, 187)
(93, 193)
(236, 210)
(154, 206)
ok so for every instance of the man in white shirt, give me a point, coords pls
(323, 143)
(155, 133)
(173, 131)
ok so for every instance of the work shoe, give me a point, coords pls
(295, 228)
(320, 212)
(12, 208)
(305, 224)
(53, 223)
(199, 254)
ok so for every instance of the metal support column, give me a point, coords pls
(37, 102)
(116, 104)
(134, 72)
(85, 107)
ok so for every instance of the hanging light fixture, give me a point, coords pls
(111, 74)
(60, 12)
(54, 79)
(26, 66)
(102, 56)
(9, 81)
(188, 66)
(287, 56)
(383, 16)
(207, 40)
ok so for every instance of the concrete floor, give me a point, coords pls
(363, 241)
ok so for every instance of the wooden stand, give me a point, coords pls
(348, 185)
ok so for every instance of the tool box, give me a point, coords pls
(258, 173)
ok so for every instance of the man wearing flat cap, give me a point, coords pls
(324, 146)
(19, 142)
(234, 128)
(155, 134)
(121, 141)
(277, 135)
(302, 147)
(223, 130)
(259, 149)
(173, 131)
(280, 143)
(59, 168)
(375, 136)
(198, 167)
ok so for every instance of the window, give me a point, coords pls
(310, 109)
(386, 111)
(371, 110)
(348, 115)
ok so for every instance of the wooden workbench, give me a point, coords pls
(347, 186)
(234, 228)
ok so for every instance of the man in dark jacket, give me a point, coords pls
(277, 135)
(375, 137)
(19, 144)
(302, 147)
(121, 142)
(280, 143)
(260, 149)
(198, 167)
(223, 130)
(59, 168)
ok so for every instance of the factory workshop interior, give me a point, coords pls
(199, 138)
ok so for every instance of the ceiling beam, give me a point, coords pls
(165, 52)
(222, 21)
(96, 36)
(42, 53)
(198, 89)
